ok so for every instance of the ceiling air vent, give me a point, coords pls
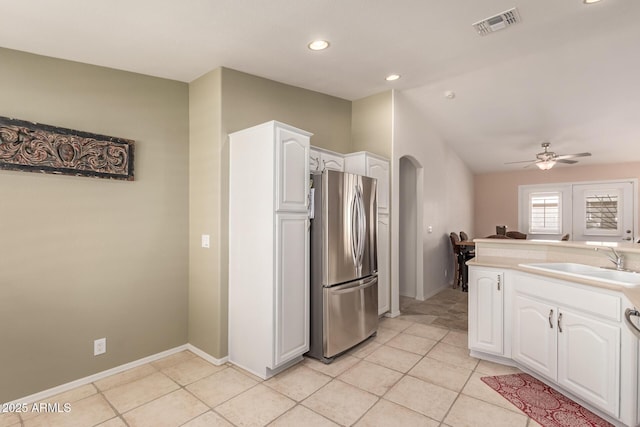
(497, 22)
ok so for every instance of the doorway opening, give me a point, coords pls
(410, 265)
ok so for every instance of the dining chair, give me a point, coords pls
(457, 277)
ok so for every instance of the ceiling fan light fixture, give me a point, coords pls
(546, 165)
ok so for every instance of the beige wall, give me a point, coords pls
(222, 102)
(496, 194)
(372, 124)
(85, 258)
(250, 100)
(207, 300)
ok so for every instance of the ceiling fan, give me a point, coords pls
(547, 159)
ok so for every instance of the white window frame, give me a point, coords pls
(544, 229)
(524, 213)
(603, 231)
(567, 189)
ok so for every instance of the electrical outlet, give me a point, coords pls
(99, 346)
(205, 241)
(445, 274)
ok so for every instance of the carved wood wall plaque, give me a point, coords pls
(34, 147)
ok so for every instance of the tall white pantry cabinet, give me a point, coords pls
(268, 247)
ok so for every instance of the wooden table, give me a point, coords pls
(467, 244)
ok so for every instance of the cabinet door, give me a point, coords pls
(292, 287)
(589, 359)
(292, 170)
(534, 335)
(384, 288)
(314, 161)
(379, 169)
(486, 289)
(332, 161)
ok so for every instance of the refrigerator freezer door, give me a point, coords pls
(351, 314)
(349, 224)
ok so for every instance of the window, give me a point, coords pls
(544, 210)
(545, 213)
(586, 211)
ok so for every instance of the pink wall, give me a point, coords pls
(496, 194)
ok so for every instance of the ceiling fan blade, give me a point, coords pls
(570, 162)
(521, 161)
(571, 156)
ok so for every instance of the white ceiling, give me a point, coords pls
(569, 73)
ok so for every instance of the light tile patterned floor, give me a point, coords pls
(415, 372)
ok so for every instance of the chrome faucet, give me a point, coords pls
(617, 259)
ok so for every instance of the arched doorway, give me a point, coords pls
(410, 263)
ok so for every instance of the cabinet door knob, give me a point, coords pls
(559, 320)
(550, 316)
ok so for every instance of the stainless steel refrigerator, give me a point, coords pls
(344, 264)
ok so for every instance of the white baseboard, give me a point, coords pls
(206, 356)
(100, 375)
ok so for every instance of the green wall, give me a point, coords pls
(224, 101)
(372, 124)
(85, 258)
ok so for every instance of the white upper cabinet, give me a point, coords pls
(292, 166)
(320, 159)
(379, 169)
(371, 165)
(314, 160)
(332, 161)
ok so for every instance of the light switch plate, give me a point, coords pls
(99, 346)
(206, 242)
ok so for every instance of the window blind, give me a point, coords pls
(545, 213)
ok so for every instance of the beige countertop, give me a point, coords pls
(633, 294)
(628, 247)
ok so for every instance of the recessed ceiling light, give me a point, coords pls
(318, 45)
(392, 77)
(590, 1)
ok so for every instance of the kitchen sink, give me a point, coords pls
(616, 277)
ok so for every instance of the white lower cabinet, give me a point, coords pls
(384, 284)
(486, 310)
(534, 342)
(589, 359)
(578, 350)
(572, 335)
(291, 299)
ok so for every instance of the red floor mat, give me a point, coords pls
(542, 403)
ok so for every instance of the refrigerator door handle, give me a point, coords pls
(362, 226)
(354, 228)
(362, 284)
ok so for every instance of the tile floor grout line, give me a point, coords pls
(118, 414)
